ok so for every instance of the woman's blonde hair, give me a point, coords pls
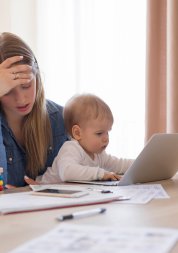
(37, 132)
(82, 108)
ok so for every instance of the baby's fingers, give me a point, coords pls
(115, 177)
(118, 177)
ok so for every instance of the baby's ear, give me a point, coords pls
(76, 132)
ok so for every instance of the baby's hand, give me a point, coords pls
(111, 176)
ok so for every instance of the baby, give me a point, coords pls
(88, 120)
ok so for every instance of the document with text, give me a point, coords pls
(70, 238)
(139, 194)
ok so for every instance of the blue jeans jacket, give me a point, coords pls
(13, 158)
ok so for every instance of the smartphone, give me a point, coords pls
(60, 193)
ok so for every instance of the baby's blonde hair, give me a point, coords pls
(82, 108)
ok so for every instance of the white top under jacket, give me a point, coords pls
(73, 163)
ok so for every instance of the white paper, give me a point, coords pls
(162, 193)
(24, 201)
(145, 191)
(76, 238)
(138, 194)
(154, 190)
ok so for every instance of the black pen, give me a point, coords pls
(82, 214)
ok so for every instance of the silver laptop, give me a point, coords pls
(157, 161)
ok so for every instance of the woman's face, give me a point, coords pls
(20, 100)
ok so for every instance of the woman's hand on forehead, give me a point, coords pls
(12, 76)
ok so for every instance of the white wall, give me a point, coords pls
(19, 17)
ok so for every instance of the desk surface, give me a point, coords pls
(16, 229)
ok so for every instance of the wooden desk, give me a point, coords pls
(16, 229)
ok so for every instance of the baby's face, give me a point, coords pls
(95, 137)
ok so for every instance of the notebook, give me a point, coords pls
(157, 161)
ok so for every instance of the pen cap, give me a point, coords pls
(66, 217)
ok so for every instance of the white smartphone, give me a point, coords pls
(60, 193)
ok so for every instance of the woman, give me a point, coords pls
(32, 127)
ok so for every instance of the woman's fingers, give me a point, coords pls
(12, 84)
(17, 76)
(21, 81)
(19, 68)
(8, 62)
(30, 181)
(8, 186)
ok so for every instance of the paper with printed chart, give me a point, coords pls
(139, 194)
(162, 193)
(70, 238)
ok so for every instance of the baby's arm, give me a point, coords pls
(70, 165)
(67, 166)
(116, 165)
(50, 176)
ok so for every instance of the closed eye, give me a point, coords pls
(8, 93)
(25, 86)
(98, 133)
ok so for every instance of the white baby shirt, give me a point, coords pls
(73, 163)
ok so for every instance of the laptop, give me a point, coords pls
(157, 161)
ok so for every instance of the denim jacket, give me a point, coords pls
(13, 158)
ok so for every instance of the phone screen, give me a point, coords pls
(59, 191)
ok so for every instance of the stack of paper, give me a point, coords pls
(74, 238)
(138, 194)
(19, 202)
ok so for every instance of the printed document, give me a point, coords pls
(70, 238)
